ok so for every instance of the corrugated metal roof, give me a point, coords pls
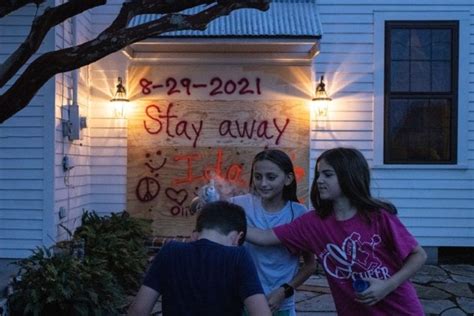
(284, 18)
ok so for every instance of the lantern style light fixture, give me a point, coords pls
(120, 100)
(321, 99)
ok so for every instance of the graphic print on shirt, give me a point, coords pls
(355, 258)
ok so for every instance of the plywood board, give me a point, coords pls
(178, 141)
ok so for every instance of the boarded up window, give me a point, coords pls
(190, 125)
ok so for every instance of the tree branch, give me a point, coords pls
(134, 8)
(39, 28)
(8, 6)
(44, 67)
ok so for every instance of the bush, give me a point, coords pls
(119, 241)
(88, 275)
(63, 285)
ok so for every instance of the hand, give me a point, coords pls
(376, 292)
(275, 298)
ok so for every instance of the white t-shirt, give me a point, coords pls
(275, 264)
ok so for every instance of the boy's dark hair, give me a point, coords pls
(283, 161)
(223, 217)
(353, 174)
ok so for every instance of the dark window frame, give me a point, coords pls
(452, 95)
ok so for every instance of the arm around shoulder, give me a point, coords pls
(143, 302)
(262, 237)
(257, 305)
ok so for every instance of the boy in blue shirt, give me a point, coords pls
(208, 276)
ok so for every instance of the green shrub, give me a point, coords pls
(64, 285)
(119, 241)
(88, 275)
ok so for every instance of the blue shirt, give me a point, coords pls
(203, 278)
(275, 264)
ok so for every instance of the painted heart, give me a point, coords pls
(178, 196)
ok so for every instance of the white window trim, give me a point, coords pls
(463, 84)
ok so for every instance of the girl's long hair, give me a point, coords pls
(353, 174)
(282, 160)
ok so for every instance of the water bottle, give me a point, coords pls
(209, 192)
(360, 285)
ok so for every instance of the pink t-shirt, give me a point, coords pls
(351, 248)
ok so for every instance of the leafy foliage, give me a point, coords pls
(67, 282)
(63, 285)
(119, 241)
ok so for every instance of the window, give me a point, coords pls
(420, 113)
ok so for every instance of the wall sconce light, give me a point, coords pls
(120, 99)
(321, 99)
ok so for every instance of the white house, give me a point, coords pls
(399, 74)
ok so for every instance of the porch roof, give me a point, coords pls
(284, 19)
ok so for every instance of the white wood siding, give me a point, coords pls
(435, 202)
(108, 134)
(33, 185)
(25, 139)
(72, 190)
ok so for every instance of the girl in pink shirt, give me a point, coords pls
(355, 237)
